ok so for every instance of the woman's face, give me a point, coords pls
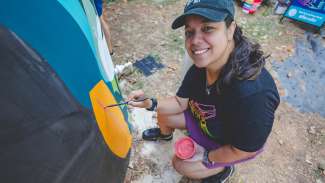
(207, 42)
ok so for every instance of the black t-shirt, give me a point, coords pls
(242, 115)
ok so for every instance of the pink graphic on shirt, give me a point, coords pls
(204, 111)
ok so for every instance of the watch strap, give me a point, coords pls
(153, 105)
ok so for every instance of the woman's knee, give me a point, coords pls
(177, 165)
(171, 120)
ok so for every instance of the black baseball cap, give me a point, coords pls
(214, 10)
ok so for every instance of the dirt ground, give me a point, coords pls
(295, 151)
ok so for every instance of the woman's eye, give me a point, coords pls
(188, 34)
(207, 29)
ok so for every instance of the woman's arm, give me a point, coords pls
(172, 105)
(229, 154)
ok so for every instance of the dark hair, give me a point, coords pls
(245, 61)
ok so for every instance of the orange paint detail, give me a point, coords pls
(110, 120)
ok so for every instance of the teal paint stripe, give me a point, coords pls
(91, 15)
(75, 9)
(49, 29)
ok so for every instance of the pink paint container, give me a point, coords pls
(185, 148)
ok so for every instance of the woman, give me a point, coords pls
(227, 99)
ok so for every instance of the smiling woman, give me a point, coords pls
(227, 99)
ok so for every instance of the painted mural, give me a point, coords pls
(56, 75)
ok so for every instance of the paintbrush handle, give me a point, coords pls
(113, 105)
(125, 103)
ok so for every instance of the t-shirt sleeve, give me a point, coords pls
(254, 121)
(187, 84)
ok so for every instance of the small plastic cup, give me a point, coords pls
(185, 148)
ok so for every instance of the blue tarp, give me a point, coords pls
(303, 75)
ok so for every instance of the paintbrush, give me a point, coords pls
(125, 103)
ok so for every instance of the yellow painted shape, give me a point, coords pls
(110, 120)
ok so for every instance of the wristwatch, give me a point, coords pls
(153, 105)
(206, 160)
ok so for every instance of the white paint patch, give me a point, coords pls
(168, 176)
(142, 119)
(160, 152)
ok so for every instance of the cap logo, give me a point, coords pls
(191, 2)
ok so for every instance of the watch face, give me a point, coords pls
(206, 156)
(206, 162)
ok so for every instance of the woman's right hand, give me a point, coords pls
(138, 95)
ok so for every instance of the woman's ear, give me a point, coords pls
(231, 31)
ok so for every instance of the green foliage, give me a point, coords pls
(262, 29)
(176, 42)
(156, 56)
(268, 11)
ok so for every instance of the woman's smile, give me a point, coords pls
(206, 42)
(200, 51)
